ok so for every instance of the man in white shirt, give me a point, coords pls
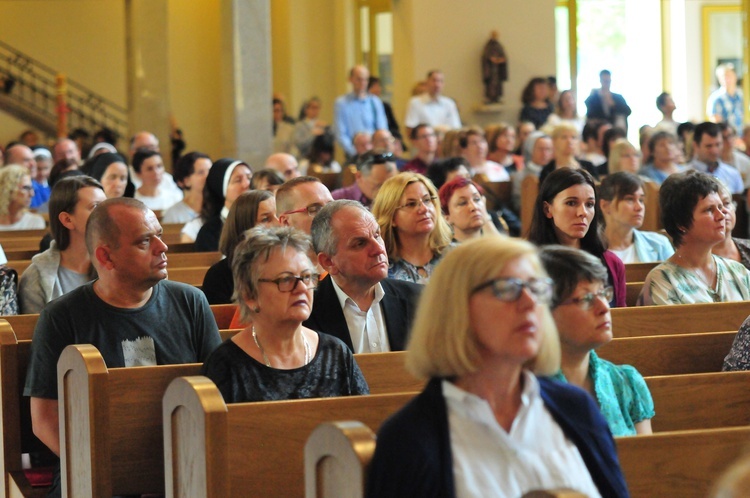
(432, 107)
(356, 302)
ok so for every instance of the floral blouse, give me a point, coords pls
(621, 392)
(739, 356)
(669, 283)
(403, 270)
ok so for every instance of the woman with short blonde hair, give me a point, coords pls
(623, 156)
(412, 226)
(16, 192)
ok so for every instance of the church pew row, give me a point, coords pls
(637, 272)
(632, 291)
(679, 463)
(679, 319)
(385, 372)
(23, 325)
(177, 260)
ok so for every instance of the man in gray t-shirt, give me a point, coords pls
(130, 313)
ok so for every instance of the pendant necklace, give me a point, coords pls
(308, 355)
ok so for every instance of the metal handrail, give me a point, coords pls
(35, 86)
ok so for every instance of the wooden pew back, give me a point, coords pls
(209, 444)
(700, 401)
(671, 354)
(637, 272)
(110, 424)
(679, 319)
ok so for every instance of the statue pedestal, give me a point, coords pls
(496, 108)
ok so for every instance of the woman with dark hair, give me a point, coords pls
(267, 179)
(190, 173)
(536, 105)
(257, 207)
(320, 158)
(565, 213)
(622, 202)
(695, 217)
(66, 264)
(444, 170)
(566, 111)
(664, 154)
(149, 169)
(111, 170)
(501, 140)
(581, 312)
(227, 179)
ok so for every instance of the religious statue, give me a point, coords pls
(494, 69)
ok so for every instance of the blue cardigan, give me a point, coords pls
(413, 455)
(651, 246)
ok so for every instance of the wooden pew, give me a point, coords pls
(386, 373)
(679, 463)
(23, 325)
(637, 272)
(652, 216)
(679, 319)
(670, 354)
(208, 444)
(632, 291)
(700, 401)
(16, 436)
(110, 424)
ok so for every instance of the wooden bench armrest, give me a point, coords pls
(337, 456)
(195, 439)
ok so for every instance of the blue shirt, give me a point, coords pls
(354, 115)
(729, 107)
(41, 194)
(657, 175)
(728, 175)
(621, 392)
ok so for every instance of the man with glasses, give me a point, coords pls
(424, 139)
(356, 302)
(373, 169)
(299, 200)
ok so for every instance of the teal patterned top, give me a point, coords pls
(669, 283)
(621, 393)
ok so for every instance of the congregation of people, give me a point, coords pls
(417, 252)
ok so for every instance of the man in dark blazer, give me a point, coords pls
(356, 302)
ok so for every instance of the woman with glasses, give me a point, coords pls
(16, 192)
(465, 210)
(486, 425)
(412, 226)
(257, 207)
(565, 214)
(226, 180)
(580, 307)
(694, 216)
(276, 357)
(623, 205)
(731, 247)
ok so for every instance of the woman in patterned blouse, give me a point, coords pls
(580, 307)
(695, 218)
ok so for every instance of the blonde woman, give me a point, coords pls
(486, 425)
(623, 156)
(16, 192)
(412, 226)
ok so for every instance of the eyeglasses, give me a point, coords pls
(311, 210)
(26, 188)
(382, 158)
(587, 300)
(415, 204)
(289, 283)
(509, 289)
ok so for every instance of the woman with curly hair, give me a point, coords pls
(412, 226)
(16, 192)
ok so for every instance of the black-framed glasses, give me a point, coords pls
(587, 300)
(311, 210)
(289, 282)
(382, 158)
(414, 204)
(509, 289)
(26, 188)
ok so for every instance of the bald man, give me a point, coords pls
(23, 156)
(66, 149)
(358, 111)
(285, 164)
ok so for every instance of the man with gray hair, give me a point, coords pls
(356, 302)
(131, 313)
(373, 169)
